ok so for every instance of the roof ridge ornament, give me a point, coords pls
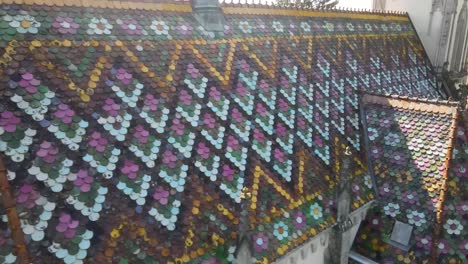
(209, 14)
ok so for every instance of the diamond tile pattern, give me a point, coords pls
(132, 133)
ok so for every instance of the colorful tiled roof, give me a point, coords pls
(130, 132)
(6, 244)
(410, 148)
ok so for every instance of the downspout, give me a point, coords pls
(12, 215)
(440, 205)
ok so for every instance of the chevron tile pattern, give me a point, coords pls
(133, 135)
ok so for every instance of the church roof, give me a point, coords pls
(130, 131)
(417, 153)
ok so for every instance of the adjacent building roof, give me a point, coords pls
(130, 131)
(417, 153)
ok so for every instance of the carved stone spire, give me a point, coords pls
(338, 252)
(380, 4)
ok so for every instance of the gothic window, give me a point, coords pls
(460, 44)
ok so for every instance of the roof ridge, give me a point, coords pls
(412, 103)
(162, 5)
(230, 3)
(413, 98)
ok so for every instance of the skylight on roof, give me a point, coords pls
(401, 235)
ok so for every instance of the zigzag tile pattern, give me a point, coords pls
(130, 134)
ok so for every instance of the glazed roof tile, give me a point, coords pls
(130, 128)
(419, 181)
